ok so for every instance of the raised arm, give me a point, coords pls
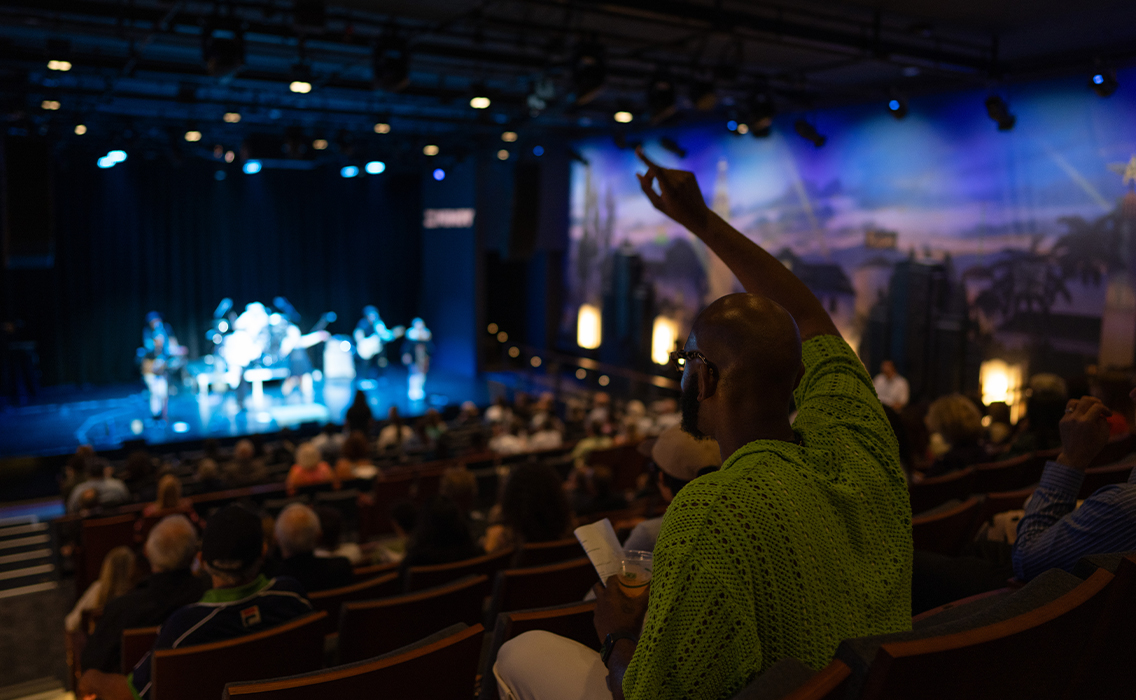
(680, 198)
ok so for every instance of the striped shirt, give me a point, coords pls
(224, 613)
(1055, 534)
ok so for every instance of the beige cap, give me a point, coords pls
(682, 456)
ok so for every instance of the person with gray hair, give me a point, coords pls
(297, 535)
(170, 548)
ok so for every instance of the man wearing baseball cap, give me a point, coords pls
(242, 601)
(677, 459)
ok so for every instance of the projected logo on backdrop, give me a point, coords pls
(1036, 222)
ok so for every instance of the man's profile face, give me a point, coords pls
(689, 399)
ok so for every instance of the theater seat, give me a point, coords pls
(540, 553)
(541, 586)
(1105, 670)
(135, 643)
(945, 529)
(789, 679)
(935, 491)
(421, 577)
(443, 665)
(330, 601)
(573, 620)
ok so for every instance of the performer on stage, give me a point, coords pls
(295, 347)
(156, 327)
(247, 343)
(416, 351)
(370, 335)
(155, 371)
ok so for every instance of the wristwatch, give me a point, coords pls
(609, 645)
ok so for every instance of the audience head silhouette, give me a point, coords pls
(172, 544)
(297, 530)
(232, 550)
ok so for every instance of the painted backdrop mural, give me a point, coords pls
(1034, 223)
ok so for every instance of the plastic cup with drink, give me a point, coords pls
(635, 572)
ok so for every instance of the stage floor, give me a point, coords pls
(107, 416)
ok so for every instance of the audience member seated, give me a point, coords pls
(331, 533)
(115, 578)
(800, 540)
(891, 387)
(403, 518)
(297, 534)
(533, 508)
(245, 469)
(396, 435)
(441, 536)
(545, 437)
(1045, 408)
(170, 549)
(1054, 532)
(958, 424)
(676, 460)
(208, 476)
(329, 441)
(242, 601)
(355, 459)
(544, 411)
(468, 417)
(499, 412)
(1000, 431)
(593, 440)
(598, 496)
(108, 490)
(359, 417)
(508, 438)
(75, 471)
(309, 469)
(139, 474)
(460, 486)
(601, 408)
(433, 426)
(666, 414)
(169, 501)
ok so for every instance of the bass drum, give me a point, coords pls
(338, 358)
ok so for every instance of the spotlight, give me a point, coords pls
(375, 167)
(502, 337)
(897, 107)
(603, 380)
(382, 128)
(251, 167)
(538, 151)
(193, 135)
(809, 133)
(301, 79)
(230, 156)
(999, 111)
(732, 125)
(703, 96)
(535, 362)
(59, 65)
(349, 171)
(439, 174)
(50, 105)
(80, 129)
(320, 144)
(231, 117)
(661, 102)
(1104, 83)
(743, 129)
(588, 73)
(503, 154)
(514, 352)
(623, 117)
(106, 162)
(509, 136)
(390, 65)
(219, 175)
(116, 156)
(430, 150)
(671, 145)
(581, 373)
(479, 102)
(300, 86)
(492, 328)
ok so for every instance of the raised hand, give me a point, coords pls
(679, 196)
(1084, 431)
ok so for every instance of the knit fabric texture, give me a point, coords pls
(785, 551)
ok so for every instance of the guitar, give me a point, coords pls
(367, 346)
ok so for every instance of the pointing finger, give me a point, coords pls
(643, 157)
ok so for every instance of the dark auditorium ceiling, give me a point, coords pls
(143, 62)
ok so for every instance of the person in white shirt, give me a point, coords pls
(890, 387)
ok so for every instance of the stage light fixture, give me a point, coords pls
(604, 380)
(503, 154)
(897, 107)
(320, 144)
(300, 86)
(80, 129)
(581, 374)
(1104, 83)
(219, 175)
(480, 102)
(439, 174)
(231, 117)
(106, 162)
(117, 155)
(63, 66)
(623, 117)
(193, 135)
(50, 105)
(382, 128)
(181, 427)
(732, 125)
(251, 167)
(661, 99)
(390, 65)
(375, 167)
(999, 111)
(430, 150)
(349, 171)
(809, 133)
(664, 333)
(743, 129)
(514, 352)
(492, 329)
(538, 151)
(588, 327)
(509, 136)
(230, 156)
(535, 361)
(588, 73)
(502, 337)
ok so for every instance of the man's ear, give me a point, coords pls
(707, 382)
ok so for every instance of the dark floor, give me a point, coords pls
(31, 635)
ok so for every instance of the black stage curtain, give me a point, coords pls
(149, 235)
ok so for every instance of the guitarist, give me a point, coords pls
(155, 372)
(370, 335)
(295, 347)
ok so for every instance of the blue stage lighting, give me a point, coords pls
(375, 167)
(439, 174)
(538, 150)
(893, 105)
(219, 175)
(1098, 79)
(732, 125)
(349, 171)
(252, 167)
(117, 156)
(181, 427)
(106, 162)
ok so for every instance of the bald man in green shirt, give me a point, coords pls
(800, 540)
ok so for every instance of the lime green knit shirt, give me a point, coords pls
(785, 551)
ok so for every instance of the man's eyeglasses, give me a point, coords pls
(679, 358)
